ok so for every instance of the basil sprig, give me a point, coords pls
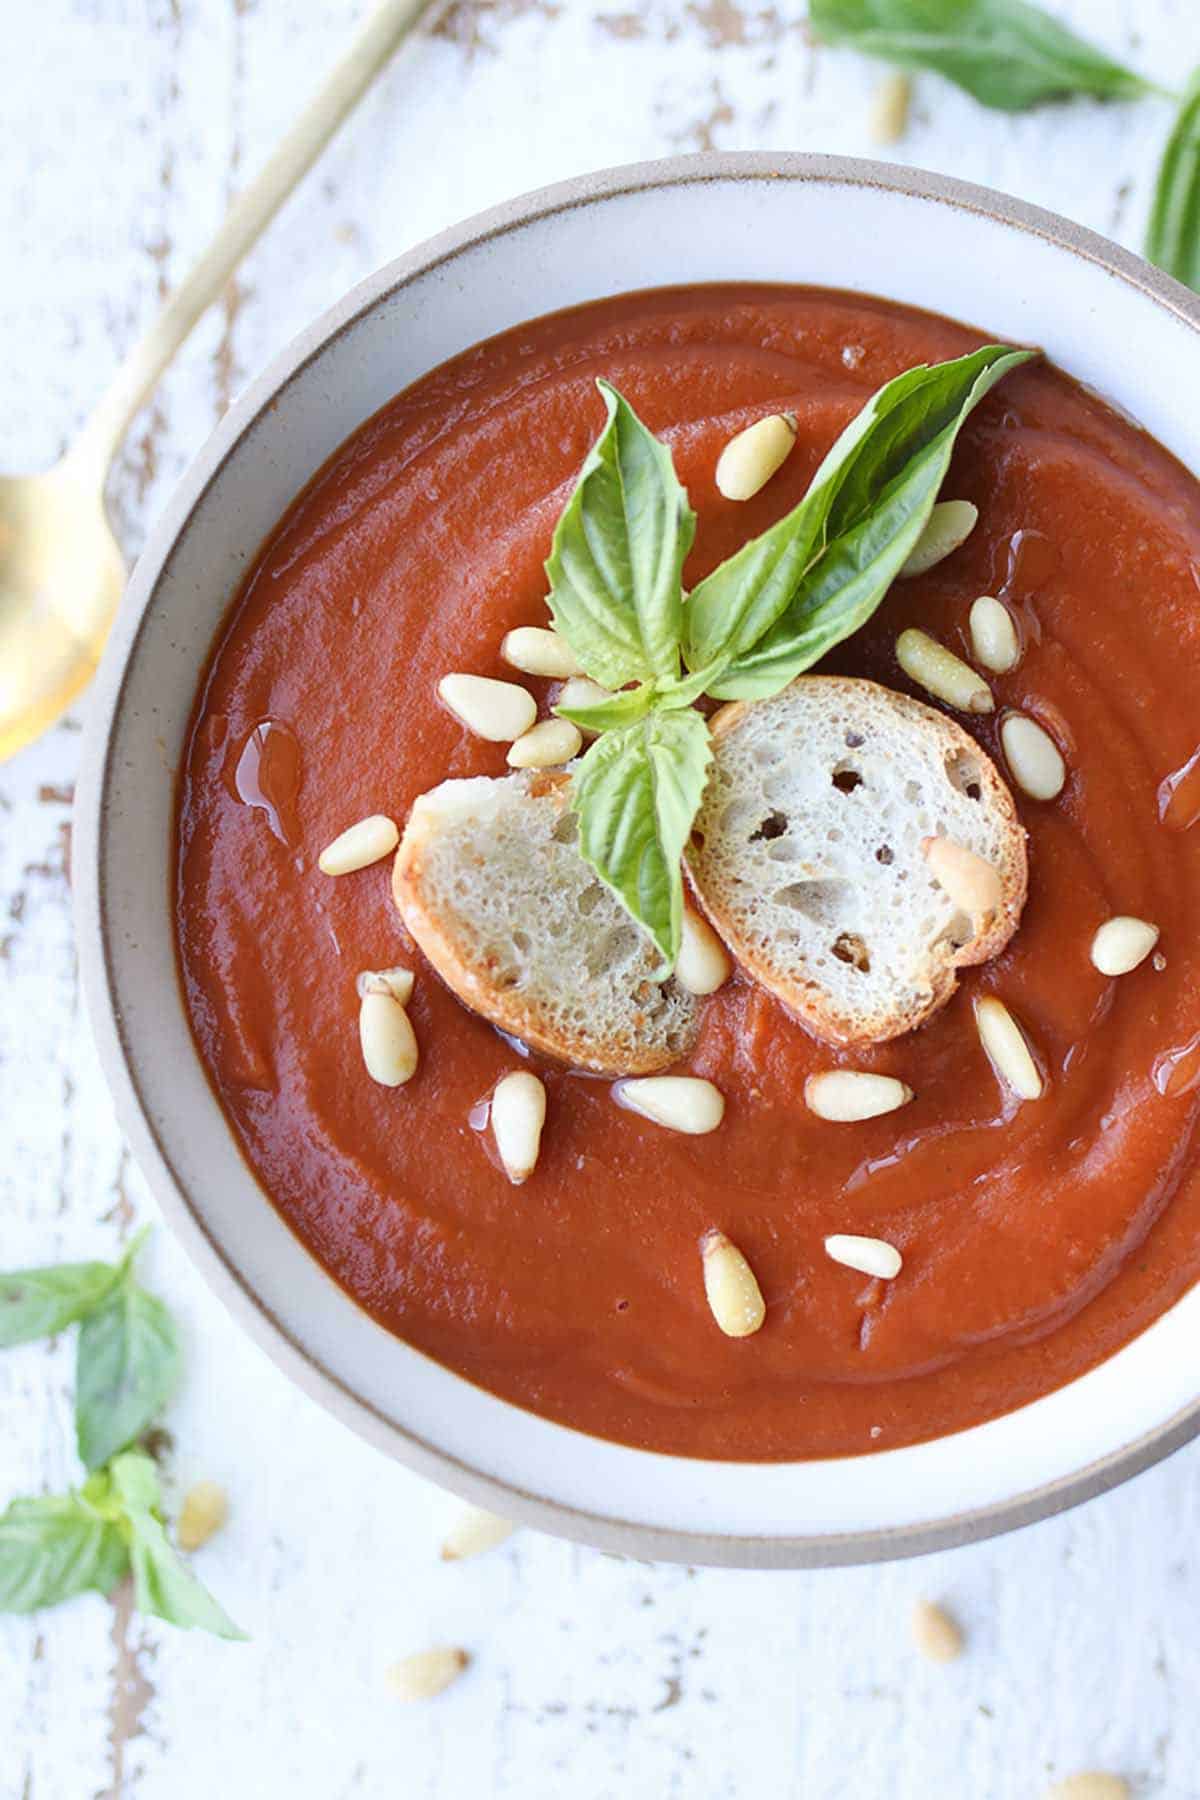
(1006, 53)
(127, 1356)
(778, 604)
(765, 615)
(1173, 235)
(55, 1546)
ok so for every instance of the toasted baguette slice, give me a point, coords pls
(807, 854)
(489, 880)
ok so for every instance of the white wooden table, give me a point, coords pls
(128, 125)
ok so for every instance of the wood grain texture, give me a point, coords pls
(129, 124)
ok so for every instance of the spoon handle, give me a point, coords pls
(246, 219)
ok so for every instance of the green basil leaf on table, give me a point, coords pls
(1006, 53)
(126, 1368)
(636, 793)
(780, 603)
(163, 1583)
(1173, 235)
(134, 1479)
(166, 1587)
(616, 561)
(35, 1303)
(56, 1546)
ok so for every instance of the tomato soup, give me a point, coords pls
(1037, 1238)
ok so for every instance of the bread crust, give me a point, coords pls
(805, 996)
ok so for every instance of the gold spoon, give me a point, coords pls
(61, 568)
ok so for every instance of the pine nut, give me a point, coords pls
(205, 1509)
(847, 1095)
(870, 1256)
(427, 1674)
(580, 690)
(968, 881)
(396, 982)
(950, 524)
(518, 1113)
(1007, 1050)
(702, 966)
(496, 710)
(935, 1633)
(679, 1102)
(389, 1046)
(359, 846)
(889, 109)
(749, 460)
(734, 1296)
(994, 639)
(1033, 757)
(1122, 943)
(941, 673)
(546, 746)
(536, 650)
(1090, 1784)
(474, 1532)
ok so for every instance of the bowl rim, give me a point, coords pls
(93, 928)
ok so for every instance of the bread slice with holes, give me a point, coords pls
(490, 882)
(807, 853)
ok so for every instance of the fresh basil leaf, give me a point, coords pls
(1005, 53)
(35, 1303)
(843, 588)
(133, 1477)
(1173, 235)
(163, 1583)
(636, 793)
(126, 1367)
(616, 562)
(619, 709)
(54, 1547)
(734, 607)
(775, 607)
(688, 688)
(166, 1587)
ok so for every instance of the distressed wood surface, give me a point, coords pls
(129, 125)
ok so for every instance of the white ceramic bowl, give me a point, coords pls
(1106, 317)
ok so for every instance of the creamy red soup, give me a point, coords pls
(1036, 1238)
